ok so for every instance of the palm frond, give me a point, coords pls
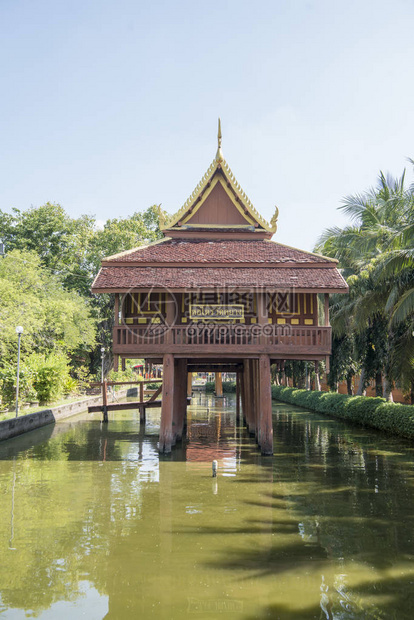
(404, 308)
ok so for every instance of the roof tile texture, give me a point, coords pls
(208, 277)
(219, 251)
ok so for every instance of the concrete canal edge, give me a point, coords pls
(25, 423)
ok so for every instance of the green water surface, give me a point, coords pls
(94, 524)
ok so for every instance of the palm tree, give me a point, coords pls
(376, 254)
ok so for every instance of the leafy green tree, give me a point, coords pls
(53, 318)
(376, 254)
(70, 249)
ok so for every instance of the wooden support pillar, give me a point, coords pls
(142, 415)
(116, 323)
(238, 379)
(123, 366)
(243, 391)
(219, 385)
(167, 404)
(189, 384)
(256, 395)
(326, 309)
(265, 414)
(262, 313)
(116, 310)
(180, 399)
(250, 409)
(247, 393)
(327, 359)
(170, 315)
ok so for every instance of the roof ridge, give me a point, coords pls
(138, 248)
(173, 219)
(246, 200)
(291, 247)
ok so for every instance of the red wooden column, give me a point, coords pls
(251, 399)
(327, 358)
(248, 391)
(190, 384)
(256, 396)
(238, 396)
(243, 391)
(167, 404)
(219, 384)
(116, 322)
(265, 414)
(180, 399)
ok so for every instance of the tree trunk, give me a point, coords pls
(317, 378)
(387, 393)
(378, 384)
(412, 391)
(361, 385)
(349, 384)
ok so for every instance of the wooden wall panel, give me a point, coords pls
(218, 209)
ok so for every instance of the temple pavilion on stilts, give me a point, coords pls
(216, 294)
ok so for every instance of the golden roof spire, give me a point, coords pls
(219, 154)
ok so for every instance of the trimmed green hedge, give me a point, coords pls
(228, 387)
(375, 412)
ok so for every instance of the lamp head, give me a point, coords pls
(19, 329)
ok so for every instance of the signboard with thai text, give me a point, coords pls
(216, 312)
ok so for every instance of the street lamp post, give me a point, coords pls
(102, 368)
(19, 331)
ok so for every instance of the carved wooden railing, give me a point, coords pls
(200, 336)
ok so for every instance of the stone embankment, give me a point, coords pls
(22, 424)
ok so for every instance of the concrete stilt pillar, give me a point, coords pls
(167, 404)
(265, 413)
(238, 397)
(189, 384)
(251, 416)
(256, 397)
(180, 399)
(243, 392)
(219, 385)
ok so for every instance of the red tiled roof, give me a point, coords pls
(217, 251)
(125, 278)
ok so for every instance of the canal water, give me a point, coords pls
(94, 524)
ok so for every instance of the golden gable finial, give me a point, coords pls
(219, 154)
(273, 221)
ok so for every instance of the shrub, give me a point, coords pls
(229, 387)
(152, 386)
(8, 384)
(373, 412)
(210, 387)
(70, 386)
(50, 375)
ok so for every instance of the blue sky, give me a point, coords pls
(109, 107)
